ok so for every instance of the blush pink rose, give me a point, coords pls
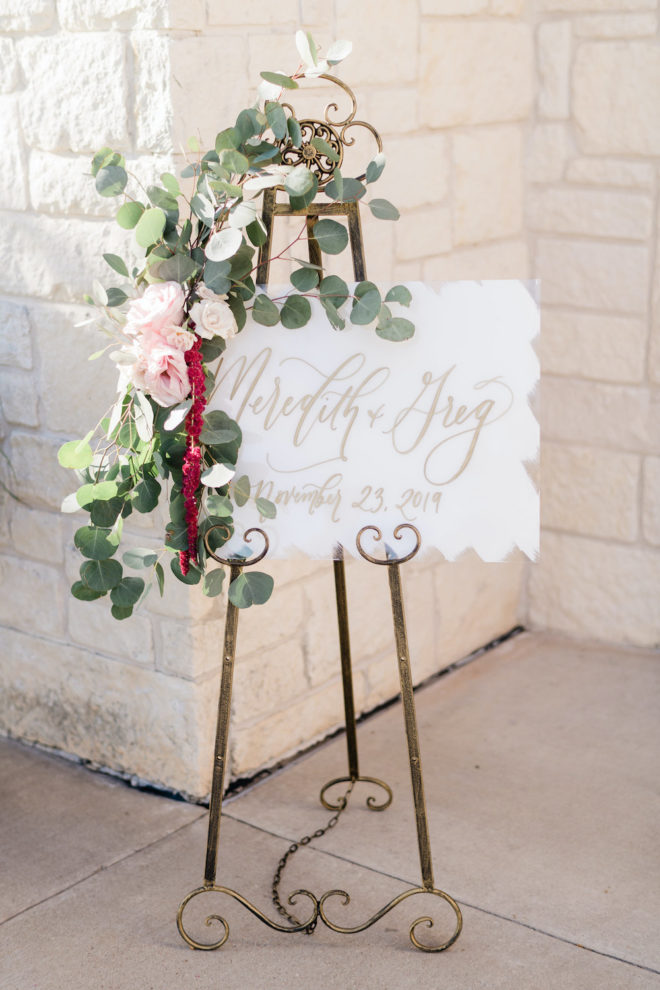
(161, 371)
(160, 305)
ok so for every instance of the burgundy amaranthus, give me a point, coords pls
(192, 461)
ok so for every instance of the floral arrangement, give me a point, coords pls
(170, 320)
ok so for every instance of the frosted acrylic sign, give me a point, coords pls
(342, 429)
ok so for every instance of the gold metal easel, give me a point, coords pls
(333, 133)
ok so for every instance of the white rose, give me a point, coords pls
(177, 337)
(214, 318)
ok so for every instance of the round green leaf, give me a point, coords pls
(347, 189)
(396, 329)
(171, 184)
(234, 161)
(216, 276)
(399, 294)
(223, 244)
(296, 312)
(383, 210)
(265, 311)
(96, 543)
(147, 494)
(266, 508)
(192, 577)
(366, 305)
(150, 227)
(104, 513)
(101, 575)
(375, 167)
(127, 592)
(241, 489)
(305, 279)
(117, 264)
(76, 454)
(119, 612)
(276, 118)
(331, 236)
(164, 199)
(137, 558)
(334, 289)
(250, 588)
(213, 582)
(129, 214)
(300, 181)
(178, 268)
(295, 133)
(111, 180)
(83, 593)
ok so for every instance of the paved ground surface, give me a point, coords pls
(541, 769)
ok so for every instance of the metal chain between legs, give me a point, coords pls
(293, 848)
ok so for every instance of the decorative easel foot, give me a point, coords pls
(388, 907)
(304, 926)
(371, 800)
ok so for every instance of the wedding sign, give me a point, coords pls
(342, 429)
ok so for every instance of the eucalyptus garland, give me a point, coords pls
(171, 318)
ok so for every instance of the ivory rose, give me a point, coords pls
(161, 371)
(177, 337)
(160, 305)
(213, 317)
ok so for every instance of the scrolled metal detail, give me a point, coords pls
(397, 536)
(237, 561)
(425, 920)
(371, 801)
(330, 130)
(208, 946)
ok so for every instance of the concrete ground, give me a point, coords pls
(541, 771)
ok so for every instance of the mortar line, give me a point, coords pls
(101, 869)
(464, 903)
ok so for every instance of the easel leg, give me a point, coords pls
(349, 702)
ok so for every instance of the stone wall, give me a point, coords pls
(450, 86)
(592, 218)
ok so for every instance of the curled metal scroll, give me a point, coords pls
(237, 561)
(333, 132)
(195, 944)
(371, 802)
(397, 536)
(425, 920)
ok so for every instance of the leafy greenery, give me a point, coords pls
(201, 236)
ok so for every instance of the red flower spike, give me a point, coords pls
(192, 461)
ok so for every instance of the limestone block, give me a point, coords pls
(224, 13)
(8, 65)
(7, 506)
(187, 15)
(192, 59)
(476, 603)
(57, 258)
(117, 715)
(38, 478)
(15, 345)
(616, 416)
(654, 348)
(122, 15)
(592, 589)
(402, 184)
(63, 347)
(651, 500)
(548, 151)
(313, 12)
(509, 259)
(423, 234)
(281, 619)
(379, 238)
(593, 275)
(631, 26)
(192, 650)
(18, 398)
(506, 7)
(454, 93)
(409, 271)
(265, 742)
(488, 192)
(380, 31)
(31, 596)
(448, 7)
(391, 110)
(83, 110)
(611, 86)
(610, 172)
(27, 15)
(180, 601)
(153, 101)
(91, 624)
(588, 211)
(62, 184)
(36, 534)
(13, 184)
(590, 491)
(589, 345)
(269, 681)
(554, 62)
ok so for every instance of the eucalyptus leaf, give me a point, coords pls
(139, 558)
(346, 190)
(366, 305)
(295, 134)
(223, 244)
(276, 118)
(300, 181)
(111, 180)
(80, 591)
(164, 199)
(219, 505)
(264, 311)
(213, 582)
(279, 79)
(334, 289)
(229, 138)
(399, 294)
(305, 279)
(101, 575)
(257, 232)
(177, 415)
(325, 149)
(396, 328)
(178, 268)
(217, 476)
(127, 592)
(383, 210)
(295, 312)
(150, 227)
(216, 276)
(171, 184)
(336, 319)
(128, 215)
(241, 490)
(250, 588)
(96, 543)
(146, 495)
(117, 264)
(120, 612)
(375, 167)
(242, 214)
(116, 296)
(234, 161)
(332, 237)
(194, 576)
(266, 508)
(76, 454)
